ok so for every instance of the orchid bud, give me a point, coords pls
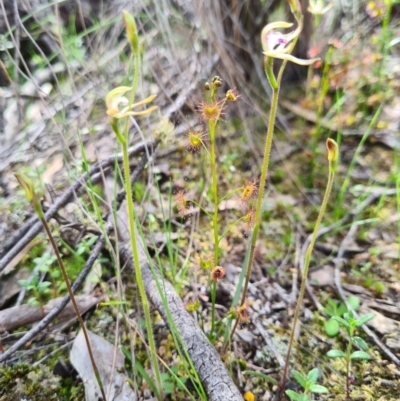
(333, 154)
(333, 150)
(131, 32)
(32, 197)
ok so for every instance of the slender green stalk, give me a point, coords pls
(139, 279)
(275, 85)
(212, 125)
(264, 172)
(305, 271)
(133, 38)
(316, 133)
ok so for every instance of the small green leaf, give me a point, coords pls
(354, 302)
(33, 302)
(331, 308)
(312, 376)
(292, 395)
(23, 283)
(341, 310)
(331, 327)
(364, 319)
(299, 378)
(42, 286)
(360, 355)
(261, 375)
(317, 389)
(335, 353)
(349, 314)
(168, 387)
(360, 343)
(345, 323)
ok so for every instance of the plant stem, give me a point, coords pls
(305, 272)
(264, 172)
(275, 86)
(215, 190)
(74, 304)
(138, 272)
(212, 125)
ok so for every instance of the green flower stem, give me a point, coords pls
(275, 85)
(123, 139)
(306, 266)
(264, 172)
(212, 125)
(73, 301)
(139, 279)
(269, 72)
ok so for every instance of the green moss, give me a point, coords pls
(21, 381)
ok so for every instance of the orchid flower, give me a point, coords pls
(116, 97)
(277, 45)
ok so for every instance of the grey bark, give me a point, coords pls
(212, 372)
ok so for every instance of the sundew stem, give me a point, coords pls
(212, 125)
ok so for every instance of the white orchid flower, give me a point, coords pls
(277, 45)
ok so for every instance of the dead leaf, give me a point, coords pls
(9, 285)
(323, 277)
(115, 384)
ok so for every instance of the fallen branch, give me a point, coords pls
(212, 372)
(21, 315)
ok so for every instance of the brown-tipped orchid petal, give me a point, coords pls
(116, 97)
(289, 57)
